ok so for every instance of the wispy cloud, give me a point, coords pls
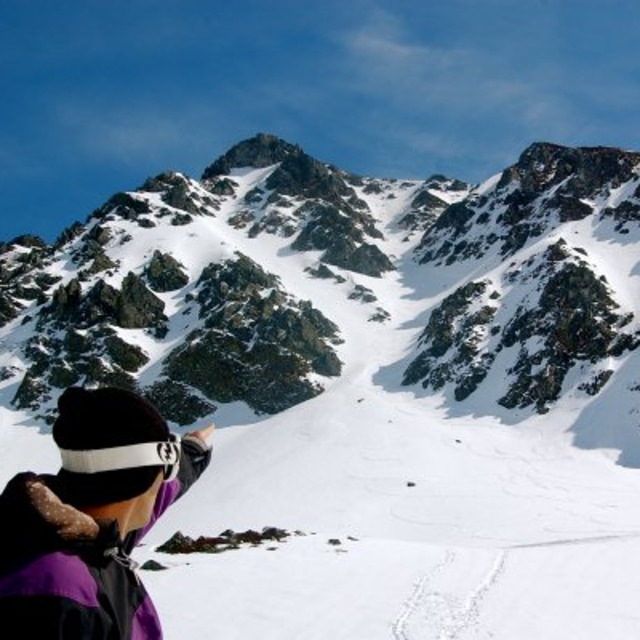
(465, 106)
(386, 60)
(140, 134)
(524, 85)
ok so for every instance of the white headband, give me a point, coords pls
(130, 456)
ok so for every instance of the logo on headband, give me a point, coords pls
(168, 452)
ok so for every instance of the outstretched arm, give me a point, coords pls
(196, 455)
(195, 458)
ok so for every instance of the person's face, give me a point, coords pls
(146, 502)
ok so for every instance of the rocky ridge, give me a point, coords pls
(550, 306)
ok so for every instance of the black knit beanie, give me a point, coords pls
(99, 419)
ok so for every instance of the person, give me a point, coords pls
(66, 539)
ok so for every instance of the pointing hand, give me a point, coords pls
(204, 434)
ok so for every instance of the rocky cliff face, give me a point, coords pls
(549, 305)
(548, 186)
(256, 343)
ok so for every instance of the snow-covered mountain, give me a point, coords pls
(202, 293)
(414, 371)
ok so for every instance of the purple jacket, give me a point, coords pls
(64, 576)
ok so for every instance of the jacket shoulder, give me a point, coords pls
(52, 574)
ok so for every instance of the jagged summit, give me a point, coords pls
(262, 150)
(25, 240)
(545, 164)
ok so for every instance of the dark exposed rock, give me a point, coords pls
(254, 347)
(373, 186)
(594, 386)
(181, 219)
(425, 208)
(275, 222)
(450, 184)
(91, 249)
(322, 272)
(365, 258)
(549, 185)
(580, 308)
(99, 357)
(455, 217)
(425, 200)
(587, 169)
(137, 307)
(61, 375)
(165, 273)
(223, 187)
(99, 235)
(131, 307)
(152, 565)
(175, 190)
(298, 174)
(241, 219)
(575, 320)
(362, 293)
(570, 208)
(32, 393)
(68, 235)
(127, 356)
(179, 543)
(66, 298)
(341, 237)
(380, 315)
(101, 262)
(29, 241)
(178, 402)
(9, 308)
(255, 195)
(261, 151)
(58, 360)
(627, 212)
(333, 218)
(6, 373)
(452, 328)
(456, 220)
(26, 291)
(123, 205)
(232, 282)
(301, 175)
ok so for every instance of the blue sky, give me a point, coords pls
(99, 95)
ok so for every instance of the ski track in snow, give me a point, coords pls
(417, 598)
(621, 537)
(445, 615)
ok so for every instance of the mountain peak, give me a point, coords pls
(547, 152)
(540, 152)
(262, 150)
(544, 164)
